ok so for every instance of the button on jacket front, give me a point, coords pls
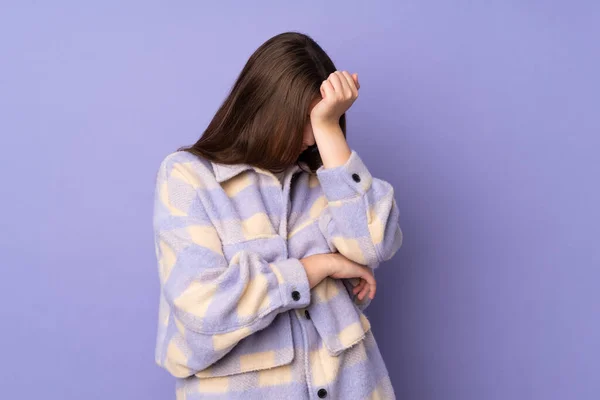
(237, 316)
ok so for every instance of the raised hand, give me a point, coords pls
(338, 92)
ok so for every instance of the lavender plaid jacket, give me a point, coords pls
(237, 318)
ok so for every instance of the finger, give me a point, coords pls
(355, 78)
(359, 287)
(336, 82)
(347, 87)
(364, 292)
(327, 89)
(373, 290)
(351, 84)
(370, 278)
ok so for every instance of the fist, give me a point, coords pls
(338, 92)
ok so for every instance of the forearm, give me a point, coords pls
(360, 207)
(317, 267)
(333, 148)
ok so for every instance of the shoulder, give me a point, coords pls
(187, 167)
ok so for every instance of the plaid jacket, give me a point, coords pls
(228, 242)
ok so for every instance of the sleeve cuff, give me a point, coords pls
(345, 181)
(293, 283)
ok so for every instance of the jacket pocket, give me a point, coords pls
(267, 348)
(338, 320)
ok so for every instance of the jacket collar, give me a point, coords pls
(225, 172)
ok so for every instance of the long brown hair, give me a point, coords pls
(261, 122)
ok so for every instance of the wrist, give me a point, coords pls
(316, 267)
(325, 124)
(330, 263)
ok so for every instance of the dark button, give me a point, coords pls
(296, 295)
(322, 393)
(306, 314)
(356, 177)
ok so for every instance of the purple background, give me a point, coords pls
(483, 115)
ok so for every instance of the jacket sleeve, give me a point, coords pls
(213, 304)
(361, 217)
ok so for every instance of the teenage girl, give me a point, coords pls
(267, 231)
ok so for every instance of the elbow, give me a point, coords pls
(370, 250)
(186, 353)
(391, 244)
(177, 370)
(174, 360)
(384, 227)
(386, 237)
